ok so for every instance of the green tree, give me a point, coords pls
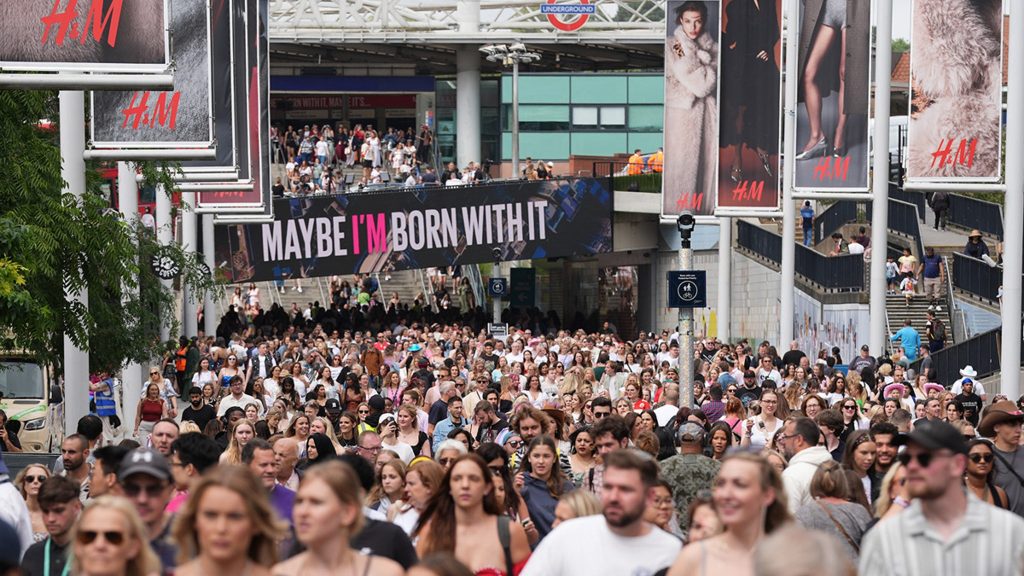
(50, 241)
(900, 45)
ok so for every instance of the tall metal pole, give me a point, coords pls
(72, 168)
(880, 182)
(189, 230)
(209, 313)
(685, 333)
(131, 375)
(787, 277)
(515, 118)
(724, 279)
(1013, 228)
(496, 300)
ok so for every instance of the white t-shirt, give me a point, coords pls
(607, 553)
(14, 511)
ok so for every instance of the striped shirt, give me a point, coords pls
(989, 541)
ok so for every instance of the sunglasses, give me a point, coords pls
(986, 458)
(151, 490)
(924, 458)
(850, 407)
(154, 373)
(364, 411)
(515, 443)
(86, 537)
(31, 479)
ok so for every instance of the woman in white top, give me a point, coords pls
(204, 375)
(533, 391)
(388, 431)
(757, 431)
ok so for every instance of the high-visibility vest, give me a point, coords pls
(657, 161)
(636, 165)
(180, 359)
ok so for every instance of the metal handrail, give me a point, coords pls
(971, 213)
(976, 277)
(981, 352)
(957, 322)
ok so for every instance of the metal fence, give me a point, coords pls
(916, 198)
(840, 273)
(981, 352)
(976, 277)
(619, 178)
(834, 218)
(972, 213)
(903, 219)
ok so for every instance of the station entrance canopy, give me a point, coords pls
(578, 34)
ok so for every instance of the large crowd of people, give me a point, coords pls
(391, 440)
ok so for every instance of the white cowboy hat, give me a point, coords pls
(969, 372)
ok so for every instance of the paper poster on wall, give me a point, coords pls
(749, 100)
(833, 92)
(954, 132)
(689, 181)
(84, 36)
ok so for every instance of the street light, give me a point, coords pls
(686, 223)
(512, 55)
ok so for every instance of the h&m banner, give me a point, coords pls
(689, 181)
(834, 90)
(956, 91)
(108, 36)
(750, 97)
(418, 228)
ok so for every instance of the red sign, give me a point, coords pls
(572, 24)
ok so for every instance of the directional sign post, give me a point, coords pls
(687, 289)
(498, 289)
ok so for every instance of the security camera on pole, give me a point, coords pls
(687, 290)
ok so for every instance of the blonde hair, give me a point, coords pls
(329, 432)
(233, 455)
(240, 480)
(377, 493)
(19, 480)
(582, 503)
(885, 493)
(344, 483)
(145, 562)
(188, 426)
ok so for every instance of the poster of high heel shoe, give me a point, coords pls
(749, 99)
(956, 79)
(833, 93)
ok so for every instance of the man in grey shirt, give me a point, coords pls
(1002, 424)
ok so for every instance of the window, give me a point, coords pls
(613, 116)
(585, 116)
(646, 118)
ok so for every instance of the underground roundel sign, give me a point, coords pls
(570, 16)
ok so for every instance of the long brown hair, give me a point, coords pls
(777, 513)
(240, 480)
(556, 480)
(440, 512)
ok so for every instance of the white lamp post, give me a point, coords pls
(512, 55)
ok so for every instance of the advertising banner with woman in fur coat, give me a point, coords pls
(691, 107)
(956, 91)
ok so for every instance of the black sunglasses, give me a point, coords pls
(151, 490)
(86, 537)
(987, 458)
(31, 479)
(924, 458)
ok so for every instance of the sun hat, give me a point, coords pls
(999, 413)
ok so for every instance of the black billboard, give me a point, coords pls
(420, 227)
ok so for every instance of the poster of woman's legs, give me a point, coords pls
(748, 156)
(956, 90)
(832, 115)
(691, 107)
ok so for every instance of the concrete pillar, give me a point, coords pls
(72, 168)
(787, 275)
(467, 105)
(467, 13)
(189, 230)
(165, 236)
(131, 375)
(880, 182)
(209, 313)
(724, 279)
(1013, 232)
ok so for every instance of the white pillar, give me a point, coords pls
(131, 375)
(1013, 228)
(165, 236)
(787, 277)
(467, 105)
(209, 313)
(72, 149)
(880, 183)
(188, 245)
(686, 334)
(467, 13)
(724, 278)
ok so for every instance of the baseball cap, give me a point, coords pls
(865, 348)
(145, 461)
(749, 374)
(935, 435)
(332, 404)
(691, 432)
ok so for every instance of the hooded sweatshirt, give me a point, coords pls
(797, 477)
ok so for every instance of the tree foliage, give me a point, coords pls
(53, 242)
(899, 45)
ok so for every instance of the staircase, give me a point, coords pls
(897, 311)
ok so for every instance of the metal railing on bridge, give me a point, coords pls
(977, 277)
(619, 178)
(981, 352)
(833, 218)
(832, 273)
(972, 213)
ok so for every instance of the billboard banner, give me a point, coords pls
(85, 36)
(690, 179)
(421, 227)
(833, 92)
(750, 98)
(954, 131)
(254, 109)
(182, 118)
